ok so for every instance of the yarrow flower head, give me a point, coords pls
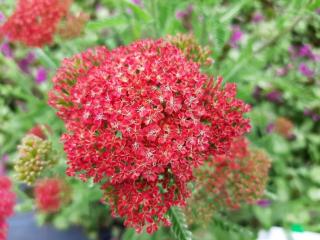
(7, 202)
(51, 194)
(34, 22)
(141, 117)
(35, 155)
(230, 180)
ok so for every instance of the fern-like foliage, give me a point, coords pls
(228, 226)
(179, 224)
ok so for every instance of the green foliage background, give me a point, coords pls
(294, 186)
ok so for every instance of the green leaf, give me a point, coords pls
(140, 12)
(45, 59)
(315, 174)
(179, 224)
(108, 22)
(220, 32)
(129, 234)
(314, 194)
(26, 206)
(228, 226)
(233, 11)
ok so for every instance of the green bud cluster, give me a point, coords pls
(35, 155)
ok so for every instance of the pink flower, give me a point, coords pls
(137, 2)
(257, 17)
(2, 17)
(25, 63)
(41, 75)
(236, 36)
(305, 70)
(6, 50)
(182, 14)
(7, 202)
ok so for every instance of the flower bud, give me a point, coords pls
(35, 155)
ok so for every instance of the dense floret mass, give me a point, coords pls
(35, 156)
(230, 180)
(141, 117)
(50, 194)
(34, 22)
(7, 202)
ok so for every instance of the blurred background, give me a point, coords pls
(269, 48)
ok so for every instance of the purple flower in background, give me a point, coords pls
(282, 71)
(257, 17)
(137, 2)
(2, 169)
(3, 161)
(293, 52)
(315, 117)
(305, 51)
(305, 70)
(129, 11)
(6, 50)
(316, 57)
(310, 113)
(24, 65)
(31, 57)
(182, 14)
(270, 128)
(236, 36)
(185, 16)
(25, 62)
(5, 158)
(264, 203)
(257, 93)
(307, 112)
(2, 17)
(41, 75)
(274, 96)
(318, 11)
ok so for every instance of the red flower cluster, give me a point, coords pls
(50, 194)
(7, 202)
(142, 117)
(34, 22)
(39, 131)
(235, 178)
